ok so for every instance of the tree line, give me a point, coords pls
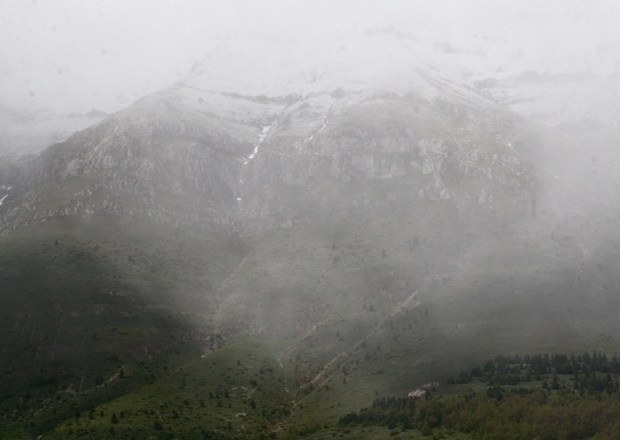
(578, 398)
(511, 370)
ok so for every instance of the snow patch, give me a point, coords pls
(318, 131)
(251, 156)
(2, 199)
(261, 138)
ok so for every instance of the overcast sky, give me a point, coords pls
(71, 55)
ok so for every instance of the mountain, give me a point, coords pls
(292, 251)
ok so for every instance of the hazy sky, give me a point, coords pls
(72, 55)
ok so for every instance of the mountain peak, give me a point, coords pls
(269, 66)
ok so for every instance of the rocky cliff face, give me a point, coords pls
(150, 160)
(201, 158)
(457, 154)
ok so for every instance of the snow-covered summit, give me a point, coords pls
(275, 67)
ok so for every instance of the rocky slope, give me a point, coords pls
(180, 148)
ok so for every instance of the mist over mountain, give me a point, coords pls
(66, 58)
(292, 229)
